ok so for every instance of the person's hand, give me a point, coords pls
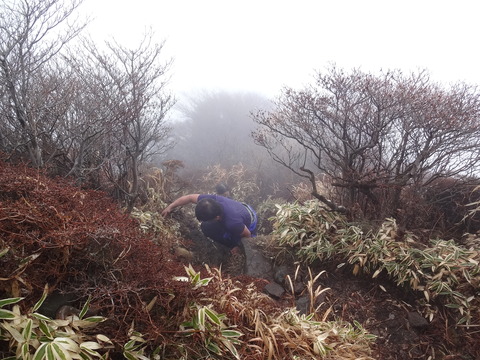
(166, 211)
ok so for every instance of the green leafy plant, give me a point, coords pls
(193, 277)
(216, 335)
(442, 271)
(273, 333)
(134, 349)
(35, 336)
(308, 230)
(210, 325)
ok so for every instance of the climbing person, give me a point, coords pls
(223, 220)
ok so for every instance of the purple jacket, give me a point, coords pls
(236, 216)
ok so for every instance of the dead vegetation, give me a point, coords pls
(81, 246)
(154, 305)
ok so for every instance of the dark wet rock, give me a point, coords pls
(416, 320)
(54, 301)
(274, 290)
(298, 287)
(280, 274)
(303, 305)
(256, 265)
(294, 288)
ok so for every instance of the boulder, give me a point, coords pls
(256, 265)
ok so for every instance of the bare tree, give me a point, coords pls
(373, 135)
(33, 32)
(91, 114)
(79, 135)
(130, 88)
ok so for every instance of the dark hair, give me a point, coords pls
(208, 209)
(221, 188)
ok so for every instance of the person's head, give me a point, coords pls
(208, 209)
(221, 189)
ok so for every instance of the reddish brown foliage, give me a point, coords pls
(82, 245)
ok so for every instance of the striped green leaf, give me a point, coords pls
(231, 348)
(46, 330)
(40, 353)
(49, 352)
(61, 352)
(10, 301)
(42, 299)
(27, 330)
(85, 308)
(94, 319)
(231, 333)
(128, 355)
(41, 317)
(89, 351)
(201, 318)
(212, 315)
(7, 314)
(25, 351)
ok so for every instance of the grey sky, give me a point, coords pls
(261, 45)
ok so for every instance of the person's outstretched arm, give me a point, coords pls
(182, 200)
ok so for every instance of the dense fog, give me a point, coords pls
(216, 129)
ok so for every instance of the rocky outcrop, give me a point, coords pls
(259, 266)
(256, 265)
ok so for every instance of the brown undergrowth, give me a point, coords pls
(83, 246)
(80, 244)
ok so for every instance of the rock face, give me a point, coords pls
(417, 321)
(274, 290)
(256, 265)
(54, 302)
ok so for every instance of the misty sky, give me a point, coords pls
(262, 45)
